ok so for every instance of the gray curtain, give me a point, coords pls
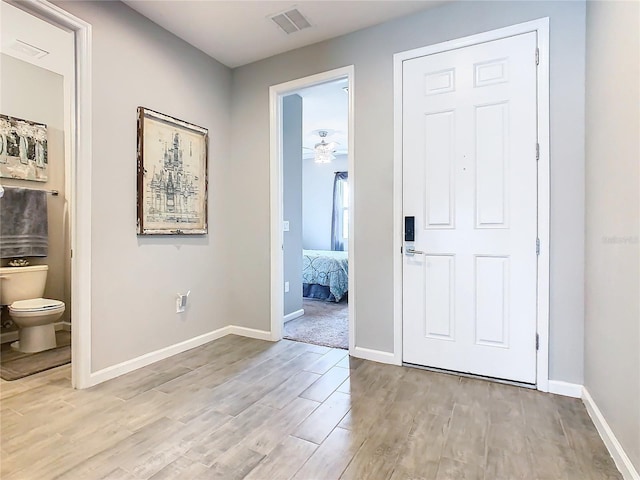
(337, 235)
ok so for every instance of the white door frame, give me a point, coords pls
(78, 186)
(541, 27)
(276, 93)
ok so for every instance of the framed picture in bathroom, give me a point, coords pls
(172, 175)
(23, 149)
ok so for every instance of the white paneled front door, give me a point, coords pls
(470, 181)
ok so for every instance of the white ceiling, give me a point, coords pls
(239, 32)
(18, 26)
(325, 107)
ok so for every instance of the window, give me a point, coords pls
(340, 215)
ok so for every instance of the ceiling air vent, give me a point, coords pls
(28, 50)
(291, 21)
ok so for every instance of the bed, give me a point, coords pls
(325, 274)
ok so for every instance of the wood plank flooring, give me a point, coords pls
(240, 408)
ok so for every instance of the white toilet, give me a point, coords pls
(21, 288)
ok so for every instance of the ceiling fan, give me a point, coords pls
(323, 150)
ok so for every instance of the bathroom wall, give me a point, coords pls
(34, 93)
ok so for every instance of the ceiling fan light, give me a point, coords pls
(323, 150)
(323, 157)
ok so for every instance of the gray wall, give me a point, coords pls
(135, 279)
(317, 201)
(34, 93)
(612, 324)
(292, 199)
(371, 51)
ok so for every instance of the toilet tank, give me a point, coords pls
(22, 283)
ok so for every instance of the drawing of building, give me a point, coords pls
(172, 192)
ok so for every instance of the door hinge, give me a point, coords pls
(537, 246)
(537, 342)
(537, 56)
(401, 251)
(537, 152)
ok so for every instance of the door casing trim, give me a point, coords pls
(541, 28)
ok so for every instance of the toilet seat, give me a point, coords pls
(36, 305)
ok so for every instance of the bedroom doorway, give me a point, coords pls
(312, 210)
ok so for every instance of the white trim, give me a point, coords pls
(80, 186)
(249, 332)
(398, 227)
(541, 27)
(544, 206)
(351, 159)
(276, 213)
(293, 315)
(620, 457)
(152, 357)
(373, 355)
(276, 92)
(565, 388)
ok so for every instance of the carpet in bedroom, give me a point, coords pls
(323, 323)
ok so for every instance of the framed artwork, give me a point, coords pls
(23, 149)
(172, 175)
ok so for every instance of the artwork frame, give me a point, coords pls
(172, 175)
(23, 149)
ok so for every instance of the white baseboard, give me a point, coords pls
(293, 315)
(249, 332)
(623, 462)
(565, 388)
(151, 357)
(373, 355)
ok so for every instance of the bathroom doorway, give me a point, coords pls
(43, 46)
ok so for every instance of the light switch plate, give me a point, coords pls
(179, 306)
(286, 287)
(285, 225)
(181, 301)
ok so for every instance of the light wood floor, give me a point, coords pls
(241, 408)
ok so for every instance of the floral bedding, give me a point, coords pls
(327, 268)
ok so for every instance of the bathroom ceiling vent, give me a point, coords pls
(26, 49)
(291, 21)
